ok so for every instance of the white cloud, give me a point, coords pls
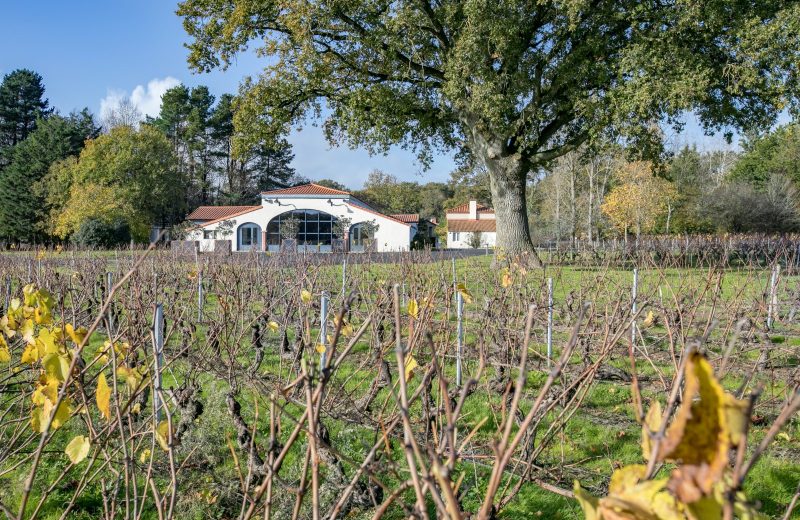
(147, 99)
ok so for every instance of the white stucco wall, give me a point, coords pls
(488, 239)
(390, 236)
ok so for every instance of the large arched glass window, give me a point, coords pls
(314, 230)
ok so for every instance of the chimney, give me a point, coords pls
(473, 210)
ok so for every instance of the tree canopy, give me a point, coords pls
(22, 103)
(126, 175)
(23, 206)
(512, 83)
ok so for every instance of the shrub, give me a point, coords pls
(99, 234)
(740, 208)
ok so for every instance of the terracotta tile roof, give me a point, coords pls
(306, 189)
(232, 215)
(464, 208)
(370, 210)
(472, 225)
(215, 212)
(409, 218)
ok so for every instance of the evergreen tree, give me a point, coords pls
(260, 167)
(23, 207)
(22, 103)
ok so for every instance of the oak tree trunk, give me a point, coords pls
(508, 176)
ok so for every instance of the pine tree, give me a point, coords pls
(22, 103)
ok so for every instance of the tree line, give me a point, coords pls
(72, 177)
(101, 183)
(592, 193)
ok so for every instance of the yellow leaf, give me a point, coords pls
(27, 332)
(56, 366)
(464, 292)
(411, 364)
(144, 455)
(506, 280)
(48, 341)
(652, 424)
(78, 448)
(5, 355)
(41, 415)
(703, 431)
(273, 326)
(8, 325)
(347, 330)
(132, 376)
(321, 348)
(650, 320)
(306, 296)
(46, 388)
(103, 396)
(30, 354)
(588, 503)
(413, 309)
(632, 498)
(76, 335)
(163, 435)
(784, 436)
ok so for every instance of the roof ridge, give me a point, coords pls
(330, 191)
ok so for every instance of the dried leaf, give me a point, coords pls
(702, 433)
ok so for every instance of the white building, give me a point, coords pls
(317, 213)
(467, 220)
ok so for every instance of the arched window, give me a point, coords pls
(362, 236)
(249, 237)
(313, 230)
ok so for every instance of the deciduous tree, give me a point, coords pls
(639, 200)
(128, 175)
(515, 83)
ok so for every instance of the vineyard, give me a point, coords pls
(161, 384)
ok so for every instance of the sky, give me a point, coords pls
(91, 53)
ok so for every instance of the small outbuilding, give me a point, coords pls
(471, 225)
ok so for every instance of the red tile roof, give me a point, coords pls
(215, 212)
(464, 208)
(409, 218)
(488, 225)
(227, 217)
(376, 212)
(306, 189)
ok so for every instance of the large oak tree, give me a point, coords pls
(513, 83)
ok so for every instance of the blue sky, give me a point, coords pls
(89, 51)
